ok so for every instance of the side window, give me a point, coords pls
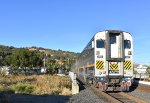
(90, 71)
(100, 43)
(127, 44)
(81, 70)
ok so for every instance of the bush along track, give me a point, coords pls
(37, 85)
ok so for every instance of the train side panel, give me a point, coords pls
(100, 55)
(128, 64)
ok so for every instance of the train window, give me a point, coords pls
(112, 39)
(127, 44)
(100, 43)
(90, 71)
(81, 70)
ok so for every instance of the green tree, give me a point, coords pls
(51, 66)
(148, 70)
(24, 59)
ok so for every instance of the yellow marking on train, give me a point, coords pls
(82, 67)
(127, 65)
(90, 65)
(100, 64)
(113, 66)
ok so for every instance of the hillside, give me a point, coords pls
(57, 58)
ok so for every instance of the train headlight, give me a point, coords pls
(129, 53)
(102, 79)
(127, 79)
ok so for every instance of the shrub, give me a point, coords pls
(148, 70)
(51, 84)
(23, 88)
(66, 91)
(148, 79)
(2, 73)
(36, 84)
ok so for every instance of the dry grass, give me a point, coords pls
(43, 84)
(51, 84)
(66, 91)
(148, 79)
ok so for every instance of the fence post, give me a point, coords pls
(75, 86)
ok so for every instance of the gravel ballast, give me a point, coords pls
(141, 94)
(86, 96)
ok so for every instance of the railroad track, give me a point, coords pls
(113, 96)
(117, 97)
(120, 98)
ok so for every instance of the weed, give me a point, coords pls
(66, 91)
(23, 88)
(41, 84)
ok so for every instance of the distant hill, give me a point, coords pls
(57, 55)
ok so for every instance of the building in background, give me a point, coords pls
(141, 69)
(141, 72)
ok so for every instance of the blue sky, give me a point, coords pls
(70, 24)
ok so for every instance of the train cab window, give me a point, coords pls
(100, 43)
(112, 39)
(127, 44)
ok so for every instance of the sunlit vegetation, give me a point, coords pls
(26, 59)
(37, 85)
(33, 58)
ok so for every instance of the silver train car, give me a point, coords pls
(107, 60)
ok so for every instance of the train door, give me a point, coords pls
(115, 53)
(115, 46)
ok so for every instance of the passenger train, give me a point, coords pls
(107, 60)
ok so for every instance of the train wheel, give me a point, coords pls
(123, 87)
(114, 88)
(103, 87)
(127, 88)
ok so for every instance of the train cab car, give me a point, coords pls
(107, 60)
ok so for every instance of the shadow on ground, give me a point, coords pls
(134, 85)
(9, 97)
(81, 85)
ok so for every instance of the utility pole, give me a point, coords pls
(44, 61)
(45, 55)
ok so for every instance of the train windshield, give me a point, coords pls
(100, 43)
(127, 44)
(113, 39)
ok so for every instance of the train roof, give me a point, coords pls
(113, 31)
